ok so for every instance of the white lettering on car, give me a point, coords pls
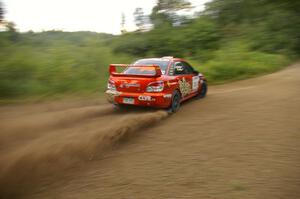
(195, 85)
(144, 98)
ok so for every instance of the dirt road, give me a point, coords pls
(241, 141)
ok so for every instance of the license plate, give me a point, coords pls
(128, 100)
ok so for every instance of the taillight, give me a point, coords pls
(111, 85)
(155, 86)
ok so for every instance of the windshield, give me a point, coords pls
(163, 64)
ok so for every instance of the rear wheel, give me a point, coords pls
(175, 104)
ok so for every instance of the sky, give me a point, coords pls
(77, 15)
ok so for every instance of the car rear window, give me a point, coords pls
(139, 71)
(163, 64)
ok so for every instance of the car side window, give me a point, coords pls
(179, 69)
(189, 69)
(182, 68)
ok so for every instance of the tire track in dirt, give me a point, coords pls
(52, 154)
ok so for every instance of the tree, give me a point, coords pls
(1, 13)
(11, 29)
(123, 21)
(172, 5)
(139, 18)
(270, 25)
(165, 11)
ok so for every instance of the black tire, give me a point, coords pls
(175, 104)
(203, 90)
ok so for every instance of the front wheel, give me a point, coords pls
(203, 90)
(175, 104)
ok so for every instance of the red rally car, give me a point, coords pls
(157, 82)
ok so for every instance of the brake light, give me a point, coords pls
(111, 85)
(155, 86)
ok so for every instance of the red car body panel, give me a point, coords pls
(132, 88)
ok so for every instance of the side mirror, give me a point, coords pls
(196, 72)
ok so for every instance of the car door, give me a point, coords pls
(194, 77)
(185, 76)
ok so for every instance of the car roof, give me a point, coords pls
(166, 58)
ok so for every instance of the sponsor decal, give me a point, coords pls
(171, 70)
(184, 87)
(167, 95)
(168, 83)
(128, 85)
(195, 83)
(145, 98)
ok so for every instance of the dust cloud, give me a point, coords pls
(50, 151)
(34, 125)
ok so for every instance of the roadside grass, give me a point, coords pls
(46, 67)
(235, 63)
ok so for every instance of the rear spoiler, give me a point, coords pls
(113, 70)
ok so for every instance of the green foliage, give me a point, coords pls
(200, 35)
(230, 40)
(55, 62)
(235, 61)
(172, 5)
(164, 13)
(269, 25)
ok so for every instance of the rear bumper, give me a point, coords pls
(160, 100)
